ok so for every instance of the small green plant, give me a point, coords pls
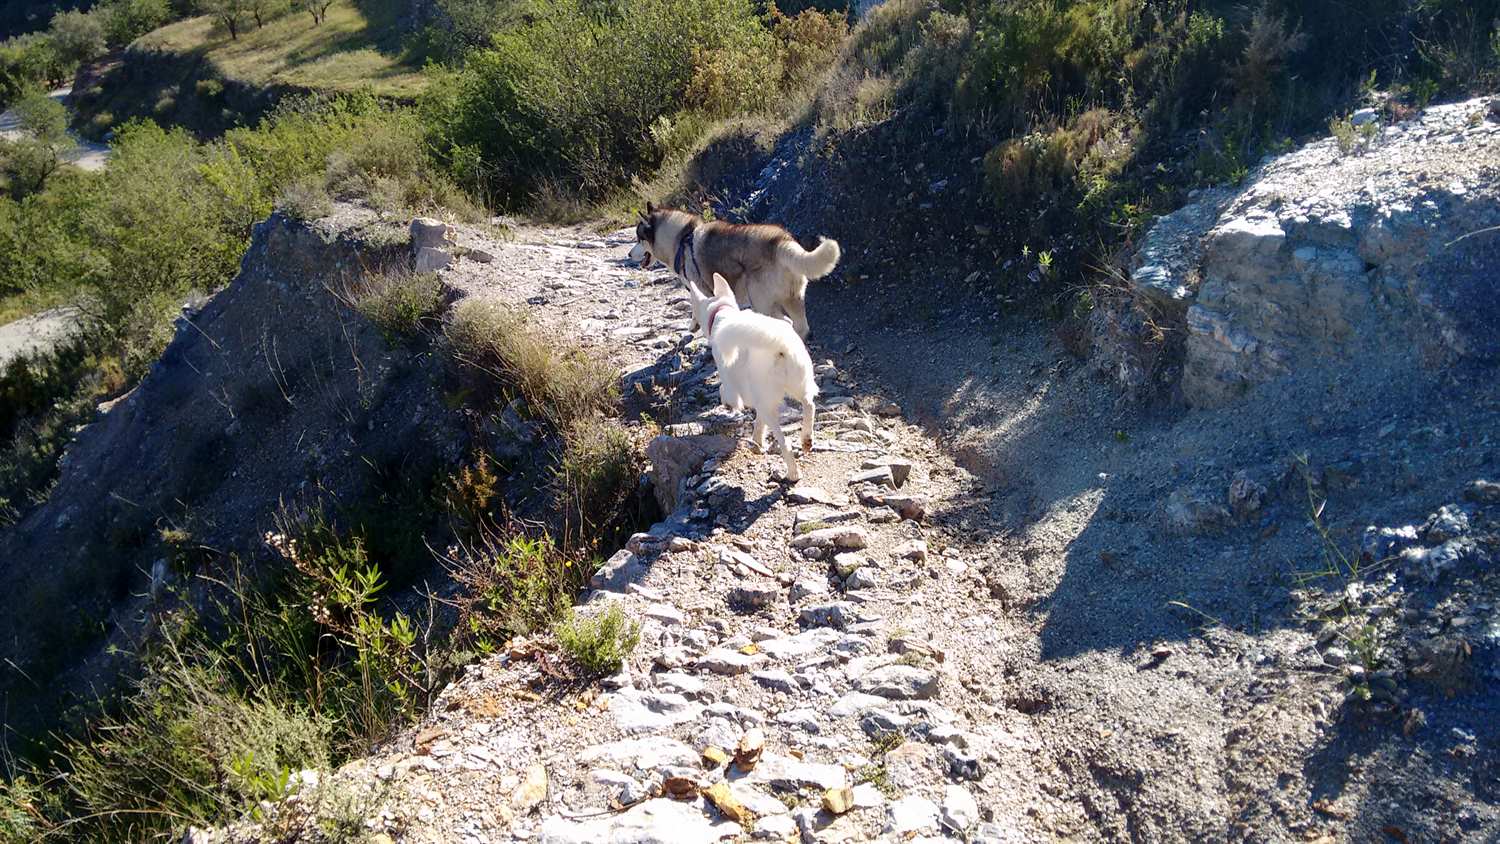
(306, 199)
(512, 584)
(21, 809)
(877, 773)
(1352, 139)
(596, 478)
(599, 643)
(557, 383)
(398, 301)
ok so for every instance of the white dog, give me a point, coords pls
(761, 361)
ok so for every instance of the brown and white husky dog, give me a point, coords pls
(763, 264)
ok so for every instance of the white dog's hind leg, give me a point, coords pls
(786, 449)
(807, 423)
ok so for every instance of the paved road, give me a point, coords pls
(87, 154)
(38, 331)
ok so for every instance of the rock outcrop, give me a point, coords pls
(1325, 256)
(273, 387)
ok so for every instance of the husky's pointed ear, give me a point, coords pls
(721, 287)
(650, 207)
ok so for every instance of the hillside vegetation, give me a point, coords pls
(352, 46)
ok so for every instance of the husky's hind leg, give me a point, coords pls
(796, 310)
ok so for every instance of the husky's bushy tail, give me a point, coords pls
(814, 264)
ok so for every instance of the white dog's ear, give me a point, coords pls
(721, 287)
(692, 290)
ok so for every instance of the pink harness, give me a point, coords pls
(712, 315)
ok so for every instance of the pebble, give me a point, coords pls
(853, 703)
(777, 680)
(666, 614)
(837, 614)
(799, 645)
(912, 814)
(636, 711)
(802, 719)
(841, 536)
(728, 662)
(647, 753)
(748, 597)
(867, 796)
(808, 588)
(776, 827)
(659, 821)
(915, 550)
(913, 507)
(809, 495)
(900, 467)
(899, 682)
(880, 476)
(785, 772)
(683, 684)
(959, 811)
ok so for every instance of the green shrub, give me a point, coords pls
(28, 63)
(186, 747)
(77, 36)
(599, 643)
(557, 383)
(127, 20)
(399, 302)
(732, 80)
(809, 41)
(512, 585)
(306, 199)
(23, 807)
(43, 398)
(596, 478)
(570, 95)
(1352, 139)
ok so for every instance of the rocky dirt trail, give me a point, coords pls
(1001, 605)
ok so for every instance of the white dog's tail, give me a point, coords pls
(814, 264)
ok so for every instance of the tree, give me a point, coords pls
(29, 162)
(230, 14)
(317, 8)
(77, 36)
(264, 10)
(127, 20)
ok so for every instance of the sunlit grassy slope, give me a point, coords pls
(355, 47)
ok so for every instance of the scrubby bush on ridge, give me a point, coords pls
(575, 97)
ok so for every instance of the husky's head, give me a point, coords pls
(646, 228)
(707, 309)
